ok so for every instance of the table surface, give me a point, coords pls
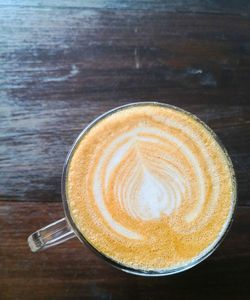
(62, 63)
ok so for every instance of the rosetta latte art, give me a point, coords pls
(150, 179)
(152, 182)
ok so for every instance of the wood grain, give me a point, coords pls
(60, 68)
(241, 7)
(72, 271)
(63, 63)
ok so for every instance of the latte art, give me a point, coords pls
(149, 187)
(151, 182)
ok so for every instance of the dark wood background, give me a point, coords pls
(62, 63)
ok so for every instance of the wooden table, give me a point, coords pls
(62, 63)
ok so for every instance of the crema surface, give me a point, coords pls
(149, 187)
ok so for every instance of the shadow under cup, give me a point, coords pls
(65, 228)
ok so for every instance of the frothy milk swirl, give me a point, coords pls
(160, 171)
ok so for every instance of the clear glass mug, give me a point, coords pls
(65, 229)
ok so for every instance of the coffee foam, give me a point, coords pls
(149, 187)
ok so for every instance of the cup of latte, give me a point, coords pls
(148, 187)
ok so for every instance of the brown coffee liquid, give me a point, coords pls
(149, 187)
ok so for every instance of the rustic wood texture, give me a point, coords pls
(63, 63)
(71, 270)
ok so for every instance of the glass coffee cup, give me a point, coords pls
(65, 228)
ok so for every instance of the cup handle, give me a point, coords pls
(51, 235)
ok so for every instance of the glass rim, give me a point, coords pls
(116, 264)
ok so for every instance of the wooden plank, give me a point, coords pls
(34, 143)
(101, 52)
(60, 68)
(71, 271)
(230, 7)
